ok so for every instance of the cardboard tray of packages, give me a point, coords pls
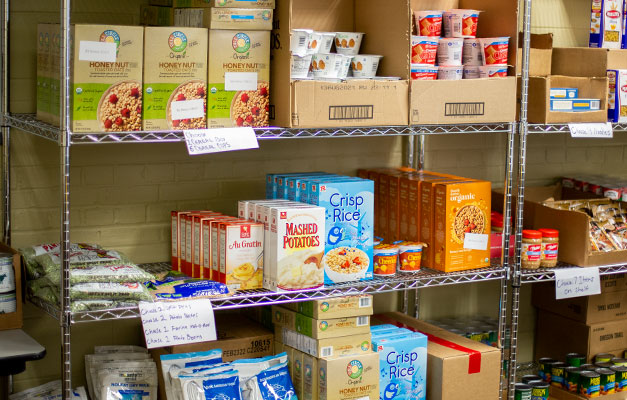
(457, 367)
(471, 100)
(13, 320)
(308, 104)
(561, 394)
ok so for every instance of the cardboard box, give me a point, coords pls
(44, 32)
(320, 329)
(561, 394)
(603, 307)
(239, 75)
(309, 104)
(335, 307)
(557, 335)
(156, 16)
(55, 73)
(297, 372)
(613, 283)
(175, 70)
(349, 377)
(310, 377)
(325, 348)
(238, 339)
(541, 53)
(106, 96)
(223, 3)
(457, 367)
(13, 320)
(224, 18)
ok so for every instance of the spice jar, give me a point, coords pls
(531, 249)
(385, 259)
(550, 245)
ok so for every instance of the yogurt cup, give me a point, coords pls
(450, 51)
(450, 72)
(345, 67)
(428, 23)
(492, 71)
(473, 53)
(471, 72)
(424, 50)
(300, 66)
(410, 256)
(320, 42)
(348, 43)
(326, 65)
(460, 23)
(424, 72)
(385, 258)
(365, 65)
(299, 40)
(494, 50)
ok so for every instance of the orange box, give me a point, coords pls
(460, 208)
(214, 241)
(393, 232)
(178, 238)
(240, 254)
(190, 232)
(195, 257)
(203, 261)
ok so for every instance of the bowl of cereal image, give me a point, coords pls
(251, 107)
(469, 219)
(195, 89)
(120, 107)
(346, 264)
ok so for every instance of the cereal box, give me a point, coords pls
(349, 228)
(295, 249)
(310, 377)
(325, 348)
(320, 328)
(44, 32)
(349, 377)
(606, 24)
(241, 254)
(243, 3)
(175, 76)
(297, 372)
(224, 18)
(335, 307)
(617, 95)
(107, 80)
(462, 225)
(239, 78)
(55, 72)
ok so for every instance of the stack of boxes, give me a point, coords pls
(329, 347)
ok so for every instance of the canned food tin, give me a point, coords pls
(575, 359)
(540, 391)
(589, 384)
(603, 358)
(619, 361)
(588, 367)
(548, 370)
(621, 378)
(604, 365)
(571, 378)
(557, 374)
(530, 378)
(522, 392)
(608, 381)
(543, 366)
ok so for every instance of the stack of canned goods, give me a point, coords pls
(8, 303)
(608, 375)
(480, 329)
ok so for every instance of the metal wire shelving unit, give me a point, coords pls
(563, 128)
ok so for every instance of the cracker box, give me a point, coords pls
(349, 377)
(325, 348)
(617, 95)
(107, 79)
(349, 223)
(241, 254)
(175, 76)
(462, 225)
(335, 307)
(239, 77)
(317, 328)
(606, 24)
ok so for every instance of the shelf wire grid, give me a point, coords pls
(28, 123)
(548, 274)
(563, 128)
(258, 297)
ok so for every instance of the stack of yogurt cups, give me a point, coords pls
(8, 301)
(312, 57)
(459, 53)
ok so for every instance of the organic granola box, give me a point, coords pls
(175, 76)
(43, 71)
(462, 225)
(239, 76)
(107, 81)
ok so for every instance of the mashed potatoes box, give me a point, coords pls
(317, 328)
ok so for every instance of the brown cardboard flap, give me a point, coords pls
(617, 59)
(543, 41)
(561, 394)
(541, 54)
(321, 15)
(579, 61)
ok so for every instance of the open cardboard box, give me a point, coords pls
(13, 320)
(470, 100)
(589, 77)
(309, 104)
(541, 53)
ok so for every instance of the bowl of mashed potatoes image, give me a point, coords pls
(346, 264)
(301, 270)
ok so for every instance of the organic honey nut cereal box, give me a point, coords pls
(239, 78)
(353, 377)
(175, 76)
(44, 32)
(241, 254)
(335, 307)
(462, 225)
(107, 95)
(225, 3)
(325, 348)
(240, 18)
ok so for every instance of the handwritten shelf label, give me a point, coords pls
(187, 109)
(576, 282)
(97, 51)
(180, 322)
(206, 141)
(601, 130)
(476, 241)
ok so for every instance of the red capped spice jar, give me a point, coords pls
(550, 246)
(531, 249)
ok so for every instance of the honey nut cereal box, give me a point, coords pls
(310, 377)
(241, 254)
(107, 95)
(240, 18)
(320, 328)
(44, 32)
(239, 78)
(55, 72)
(295, 249)
(462, 209)
(349, 377)
(243, 3)
(297, 372)
(324, 348)
(336, 307)
(175, 78)
(606, 22)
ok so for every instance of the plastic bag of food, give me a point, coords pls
(195, 372)
(109, 375)
(95, 305)
(599, 239)
(114, 291)
(188, 288)
(33, 269)
(248, 369)
(83, 257)
(129, 390)
(172, 363)
(104, 273)
(223, 386)
(43, 289)
(275, 384)
(94, 360)
(159, 270)
(47, 389)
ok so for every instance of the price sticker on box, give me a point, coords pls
(577, 282)
(175, 323)
(476, 241)
(97, 51)
(593, 131)
(206, 141)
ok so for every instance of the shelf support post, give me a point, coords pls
(6, 131)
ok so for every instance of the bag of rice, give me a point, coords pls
(104, 273)
(114, 291)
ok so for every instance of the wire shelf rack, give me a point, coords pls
(563, 128)
(548, 275)
(28, 123)
(423, 279)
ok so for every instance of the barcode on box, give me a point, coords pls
(362, 321)
(351, 112)
(463, 109)
(326, 351)
(365, 302)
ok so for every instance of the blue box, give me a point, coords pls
(305, 185)
(564, 93)
(402, 367)
(272, 183)
(293, 184)
(349, 227)
(575, 105)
